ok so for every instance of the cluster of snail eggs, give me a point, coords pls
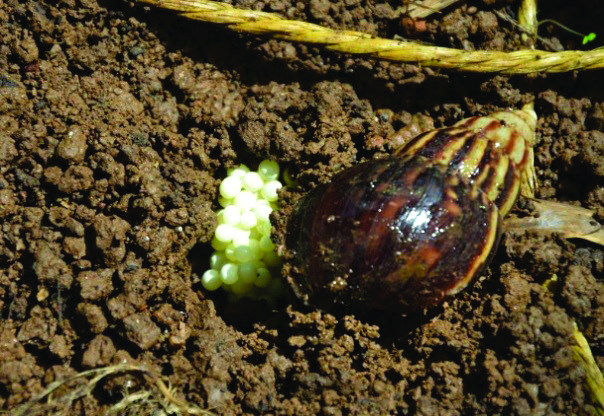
(245, 262)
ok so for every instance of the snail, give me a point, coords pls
(405, 232)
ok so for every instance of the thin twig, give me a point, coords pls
(594, 379)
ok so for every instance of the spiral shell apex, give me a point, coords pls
(405, 232)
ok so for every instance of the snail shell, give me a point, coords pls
(404, 232)
(494, 152)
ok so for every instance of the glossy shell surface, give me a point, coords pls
(392, 235)
(405, 232)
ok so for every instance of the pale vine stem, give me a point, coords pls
(527, 16)
(358, 43)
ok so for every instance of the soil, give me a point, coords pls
(117, 123)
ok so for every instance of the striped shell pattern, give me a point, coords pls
(404, 232)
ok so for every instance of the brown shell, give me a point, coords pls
(391, 234)
(404, 232)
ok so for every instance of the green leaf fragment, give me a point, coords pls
(588, 38)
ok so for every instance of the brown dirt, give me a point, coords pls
(117, 123)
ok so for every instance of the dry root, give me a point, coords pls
(158, 399)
